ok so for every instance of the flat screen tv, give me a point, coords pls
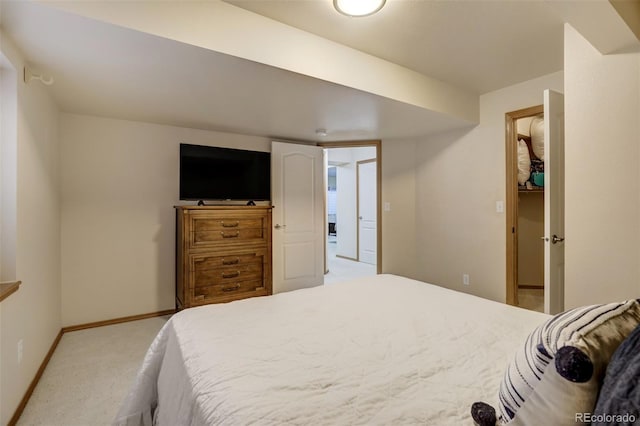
(213, 173)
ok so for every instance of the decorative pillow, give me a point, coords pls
(536, 131)
(619, 399)
(524, 162)
(556, 374)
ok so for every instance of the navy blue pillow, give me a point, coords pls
(619, 399)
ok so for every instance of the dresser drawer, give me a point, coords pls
(201, 262)
(227, 291)
(226, 223)
(228, 228)
(205, 277)
(228, 236)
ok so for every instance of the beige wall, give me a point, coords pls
(459, 177)
(399, 223)
(119, 185)
(32, 314)
(530, 246)
(530, 229)
(602, 150)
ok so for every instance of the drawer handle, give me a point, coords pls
(231, 262)
(232, 288)
(230, 274)
(229, 225)
(236, 235)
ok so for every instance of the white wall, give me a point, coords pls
(459, 177)
(345, 201)
(602, 150)
(119, 185)
(32, 314)
(345, 211)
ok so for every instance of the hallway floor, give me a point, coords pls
(344, 269)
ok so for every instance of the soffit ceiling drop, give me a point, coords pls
(477, 45)
(111, 70)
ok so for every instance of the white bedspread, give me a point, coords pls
(381, 350)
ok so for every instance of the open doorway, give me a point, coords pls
(540, 157)
(352, 202)
(525, 210)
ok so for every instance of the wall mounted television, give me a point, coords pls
(214, 173)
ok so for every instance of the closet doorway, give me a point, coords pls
(526, 210)
(535, 205)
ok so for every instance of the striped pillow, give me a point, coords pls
(556, 375)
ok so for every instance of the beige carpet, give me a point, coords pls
(92, 370)
(532, 299)
(89, 374)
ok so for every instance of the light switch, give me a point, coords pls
(387, 206)
(499, 206)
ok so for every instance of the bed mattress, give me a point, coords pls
(377, 350)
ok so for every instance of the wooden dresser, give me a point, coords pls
(223, 253)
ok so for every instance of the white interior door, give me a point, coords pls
(553, 202)
(367, 203)
(297, 195)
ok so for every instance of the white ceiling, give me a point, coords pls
(106, 70)
(480, 45)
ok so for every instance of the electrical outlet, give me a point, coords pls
(20, 351)
(465, 279)
(387, 206)
(499, 207)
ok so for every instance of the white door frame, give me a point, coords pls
(378, 145)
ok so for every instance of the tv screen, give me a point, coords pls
(212, 173)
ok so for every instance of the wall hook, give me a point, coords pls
(30, 75)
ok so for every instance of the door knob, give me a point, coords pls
(278, 226)
(555, 239)
(544, 238)
(360, 217)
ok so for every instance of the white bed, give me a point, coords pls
(381, 350)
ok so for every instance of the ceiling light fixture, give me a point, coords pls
(358, 8)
